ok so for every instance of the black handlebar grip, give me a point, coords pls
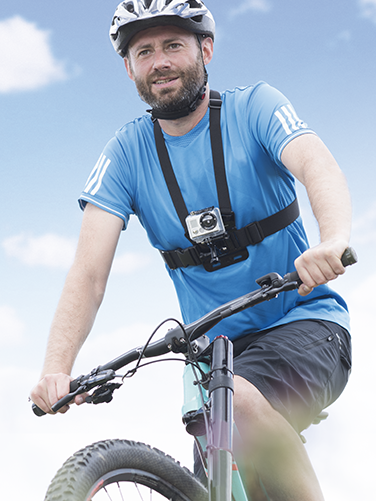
(293, 277)
(63, 401)
(349, 257)
(37, 410)
(59, 404)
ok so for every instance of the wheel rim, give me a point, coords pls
(133, 485)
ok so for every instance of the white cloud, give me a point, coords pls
(55, 251)
(341, 38)
(26, 59)
(368, 9)
(50, 250)
(130, 262)
(254, 5)
(344, 36)
(11, 327)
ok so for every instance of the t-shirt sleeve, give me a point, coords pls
(108, 185)
(273, 120)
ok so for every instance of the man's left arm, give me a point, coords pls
(310, 161)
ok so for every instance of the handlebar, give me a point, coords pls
(176, 339)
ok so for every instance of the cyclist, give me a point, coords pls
(292, 357)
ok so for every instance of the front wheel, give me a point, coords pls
(123, 470)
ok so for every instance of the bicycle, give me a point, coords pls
(124, 468)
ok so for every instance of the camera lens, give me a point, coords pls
(208, 221)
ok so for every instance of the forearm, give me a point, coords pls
(72, 322)
(81, 297)
(312, 164)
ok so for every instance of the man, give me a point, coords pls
(292, 356)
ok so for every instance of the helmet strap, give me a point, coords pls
(183, 112)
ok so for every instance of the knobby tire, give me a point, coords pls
(113, 464)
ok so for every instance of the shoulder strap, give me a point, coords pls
(215, 104)
(169, 175)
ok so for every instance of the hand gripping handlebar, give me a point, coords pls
(348, 258)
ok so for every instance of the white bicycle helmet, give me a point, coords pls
(133, 16)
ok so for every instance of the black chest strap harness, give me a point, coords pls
(231, 247)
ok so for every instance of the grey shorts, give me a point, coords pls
(300, 368)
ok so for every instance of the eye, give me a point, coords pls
(143, 53)
(175, 45)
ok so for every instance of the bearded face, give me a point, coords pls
(191, 80)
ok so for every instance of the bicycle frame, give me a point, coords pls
(224, 478)
(220, 443)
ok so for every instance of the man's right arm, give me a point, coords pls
(81, 297)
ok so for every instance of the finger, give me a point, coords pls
(336, 266)
(51, 389)
(314, 272)
(306, 275)
(304, 290)
(63, 410)
(321, 274)
(39, 401)
(56, 387)
(80, 399)
(62, 386)
(39, 396)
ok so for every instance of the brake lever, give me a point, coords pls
(82, 384)
(97, 379)
(86, 383)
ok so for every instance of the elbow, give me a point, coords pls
(87, 284)
(98, 288)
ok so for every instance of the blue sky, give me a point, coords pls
(63, 93)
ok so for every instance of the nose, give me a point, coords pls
(161, 60)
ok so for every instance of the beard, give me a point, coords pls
(192, 80)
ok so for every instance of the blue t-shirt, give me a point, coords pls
(256, 123)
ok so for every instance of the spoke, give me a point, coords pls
(121, 494)
(136, 484)
(123, 489)
(120, 490)
(106, 491)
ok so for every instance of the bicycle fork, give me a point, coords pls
(219, 447)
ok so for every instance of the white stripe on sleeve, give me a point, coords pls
(94, 191)
(282, 119)
(96, 171)
(290, 118)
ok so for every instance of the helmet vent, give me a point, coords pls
(197, 19)
(129, 6)
(193, 4)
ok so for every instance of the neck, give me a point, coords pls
(182, 126)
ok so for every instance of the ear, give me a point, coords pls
(128, 68)
(207, 49)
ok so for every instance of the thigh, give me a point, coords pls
(300, 368)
